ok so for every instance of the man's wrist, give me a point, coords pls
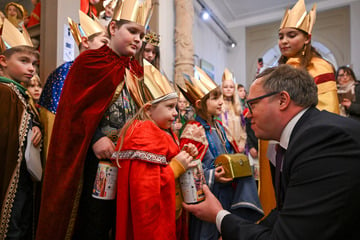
(219, 217)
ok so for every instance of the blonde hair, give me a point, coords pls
(141, 115)
(32, 81)
(235, 102)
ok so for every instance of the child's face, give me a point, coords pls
(214, 105)
(291, 42)
(19, 67)
(182, 104)
(98, 41)
(12, 11)
(109, 11)
(126, 40)
(35, 90)
(228, 88)
(242, 93)
(164, 113)
(149, 52)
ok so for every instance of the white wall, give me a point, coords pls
(355, 37)
(166, 31)
(237, 56)
(208, 46)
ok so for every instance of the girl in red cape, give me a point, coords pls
(149, 161)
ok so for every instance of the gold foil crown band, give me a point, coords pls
(154, 87)
(152, 38)
(298, 18)
(75, 31)
(12, 37)
(134, 11)
(198, 86)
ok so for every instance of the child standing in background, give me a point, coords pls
(17, 65)
(231, 115)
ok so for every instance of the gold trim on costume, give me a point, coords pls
(13, 184)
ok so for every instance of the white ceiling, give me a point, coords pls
(235, 13)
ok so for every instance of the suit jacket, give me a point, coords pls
(321, 182)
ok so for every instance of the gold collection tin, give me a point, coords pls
(235, 165)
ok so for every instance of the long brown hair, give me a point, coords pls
(141, 115)
(308, 52)
(139, 55)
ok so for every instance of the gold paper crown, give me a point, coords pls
(196, 88)
(75, 31)
(133, 84)
(90, 26)
(87, 25)
(12, 37)
(152, 38)
(298, 18)
(227, 75)
(155, 84)
(133, 11)
(152, 88)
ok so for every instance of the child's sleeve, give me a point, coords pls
(177, 168)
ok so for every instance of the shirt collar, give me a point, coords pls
(286, 133)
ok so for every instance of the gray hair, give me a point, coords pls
(297, 82)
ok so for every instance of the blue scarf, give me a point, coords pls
(212, 146)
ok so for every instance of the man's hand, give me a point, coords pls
(103, 148)
(206, 210)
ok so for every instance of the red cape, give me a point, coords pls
(87, 93)
(146, 184)
(87, 8)
(35, 15)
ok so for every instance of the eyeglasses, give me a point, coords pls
(251, 101)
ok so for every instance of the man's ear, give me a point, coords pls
(284, 100)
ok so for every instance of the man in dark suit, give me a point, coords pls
(318, 178)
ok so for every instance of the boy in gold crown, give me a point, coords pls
(92, 36)
(94, 106)
(17, 66)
